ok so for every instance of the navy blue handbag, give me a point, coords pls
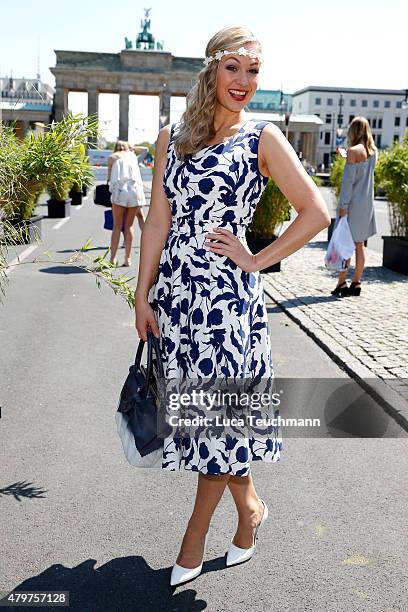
(108, 223)
(140, 397)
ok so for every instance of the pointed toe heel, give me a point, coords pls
(180, 574)
(235, 554)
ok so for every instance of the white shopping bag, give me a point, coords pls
(341, 246)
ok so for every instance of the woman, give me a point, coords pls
(356, 199)
(127, 196)
(204, 298)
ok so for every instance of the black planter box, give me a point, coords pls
(331, 228)
(31, 229)
(76, 197)
(84, 190)
(395, 253)
(257, 244)
(58, 208)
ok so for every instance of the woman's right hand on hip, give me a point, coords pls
(144, 319)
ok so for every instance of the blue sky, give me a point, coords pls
(346, 43)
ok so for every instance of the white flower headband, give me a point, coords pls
(241, 51)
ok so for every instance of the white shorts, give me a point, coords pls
(127, 193)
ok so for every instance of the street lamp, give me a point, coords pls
(339, 132)
(282, 107)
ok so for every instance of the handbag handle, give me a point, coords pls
(152, 343)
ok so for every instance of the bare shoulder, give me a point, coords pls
(163, 138)
(270, 133)
(272, 142)
(356, 153)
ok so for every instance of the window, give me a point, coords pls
(378, 140)
(396, 138)
(376, 103)
(318, 101)
(397, 121)
(352, 102)
(327, 138)
(364, 103)
(398, 104)
(379, 124)
(329, 101)
(321, 135)
(351, 117)
(317, 114)
(328, 118)
(387, 104)
(374, 123)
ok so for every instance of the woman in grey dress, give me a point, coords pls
(356, 199)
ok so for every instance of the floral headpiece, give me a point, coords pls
(241, 51)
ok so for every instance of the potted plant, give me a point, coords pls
(20, 189)
(69, 165)
(272, 210)
(78, 189)
(393, 175)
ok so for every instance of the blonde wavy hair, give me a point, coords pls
(359, 132)
(121, 145)
(197, 121)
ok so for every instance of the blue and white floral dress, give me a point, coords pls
(211, 314)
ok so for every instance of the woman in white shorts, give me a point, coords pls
(127, 196)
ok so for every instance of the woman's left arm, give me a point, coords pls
(138, 149)
(284, 167)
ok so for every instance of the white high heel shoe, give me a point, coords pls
(181, 574)
(237, 555)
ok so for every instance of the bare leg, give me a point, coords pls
(118, 214)
(360, 261)
(343, 275)
(249, 508)
(140, 217)
(209, 493)
(129, 234)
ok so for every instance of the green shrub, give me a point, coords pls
(272, 210)
(392, 169)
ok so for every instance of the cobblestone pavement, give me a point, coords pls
(367, 334)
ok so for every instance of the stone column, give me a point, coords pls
(164, 114)
(313, 155)
(93, 103)
(296, 141)
(60, 101)
(124, 115)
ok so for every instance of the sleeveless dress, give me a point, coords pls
(211, 314)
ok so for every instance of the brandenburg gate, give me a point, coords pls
(140, 71)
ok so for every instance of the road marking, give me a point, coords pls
(61, 223)
(23, 255)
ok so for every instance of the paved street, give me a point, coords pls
(80, 519)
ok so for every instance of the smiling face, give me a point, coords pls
(237, 79)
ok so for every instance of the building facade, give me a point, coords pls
(27, 102)
(336, 107)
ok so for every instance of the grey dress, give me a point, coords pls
(357, 196)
